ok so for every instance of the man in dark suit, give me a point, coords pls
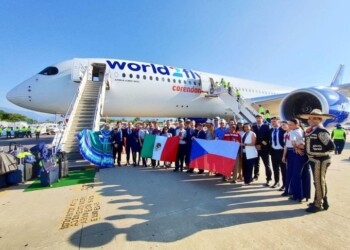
(117, 142)
(277, 145)
(262, 132)
(128, 134)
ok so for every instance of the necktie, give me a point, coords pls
(121, 135)
(274, 136)
(180, 134)
(129, 131)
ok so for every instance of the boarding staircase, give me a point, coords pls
(84, 113)
(240, 107)
(83, 118)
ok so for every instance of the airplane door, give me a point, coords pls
(79, 68)
(207, 84)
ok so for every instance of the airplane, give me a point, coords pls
(139, 89)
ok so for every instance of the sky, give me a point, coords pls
(292, 43)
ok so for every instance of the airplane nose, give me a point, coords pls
(17, 96)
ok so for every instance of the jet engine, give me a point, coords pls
(303, 101)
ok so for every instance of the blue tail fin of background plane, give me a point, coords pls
(338, 78)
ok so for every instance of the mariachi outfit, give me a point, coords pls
(318, 148)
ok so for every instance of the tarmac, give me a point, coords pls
(146, 208)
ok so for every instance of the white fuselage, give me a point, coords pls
(137, 90)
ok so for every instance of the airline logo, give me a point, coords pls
(155, 69)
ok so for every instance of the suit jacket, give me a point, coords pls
(117, 136)
(128, 135)
(263, 134)
(281, 133)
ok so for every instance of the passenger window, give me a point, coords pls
(179, 81)
(138, 76)
(163, 79)
(130, 75)
(123, 75)
(168, 79)
(144, 77)
(157, 78)
(174, 80)
(151, 78)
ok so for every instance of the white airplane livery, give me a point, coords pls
(138, 89)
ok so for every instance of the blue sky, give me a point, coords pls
(298, 43)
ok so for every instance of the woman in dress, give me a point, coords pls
(249, 153)
(96, 148)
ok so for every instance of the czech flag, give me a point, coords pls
(214, 155)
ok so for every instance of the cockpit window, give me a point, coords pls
(49, 71)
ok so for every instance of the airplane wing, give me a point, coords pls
(269, 102)
(343, 89)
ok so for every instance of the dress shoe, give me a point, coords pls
(267, 184)
(175, 170)
(200, 172)
(189, 171)
(313, 209)
(281, 189)
(284, 194)
(325, 203)
(275, 185)
(234, 181)
(256, 178)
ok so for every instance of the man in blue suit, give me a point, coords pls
(277, 145)
(128, 134)
(263, 134)
(117, 142)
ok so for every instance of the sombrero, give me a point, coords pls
(316, 113)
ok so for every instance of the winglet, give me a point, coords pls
(338, 78)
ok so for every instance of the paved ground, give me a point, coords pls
(144, 208)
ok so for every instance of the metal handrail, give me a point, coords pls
(75, 100)
(100, 103)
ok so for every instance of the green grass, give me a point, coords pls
(73, 178)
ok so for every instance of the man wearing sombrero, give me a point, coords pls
(318, 146)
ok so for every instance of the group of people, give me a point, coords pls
(294, 152)
(17, 132)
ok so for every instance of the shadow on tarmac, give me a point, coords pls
(162, 206)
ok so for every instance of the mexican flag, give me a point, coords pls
(160, 148)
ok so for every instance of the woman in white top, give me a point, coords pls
(249, 153)
(287, 156)
(300, 186)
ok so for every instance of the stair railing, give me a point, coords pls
(100, 103)
(70, 114)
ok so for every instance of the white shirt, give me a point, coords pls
(183, 135)
(297, 135)
(287, 140)
(277, 145)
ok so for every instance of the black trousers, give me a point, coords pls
(277, 164)
(339, 146)
(264, 155)
(180, 157)
(247, 168)
(117, 152)
(128, 150)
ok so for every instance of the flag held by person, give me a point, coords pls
(160, 148)
(165, 149)
(214, 155)
(147, 147)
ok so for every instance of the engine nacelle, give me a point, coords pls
(303, 101)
